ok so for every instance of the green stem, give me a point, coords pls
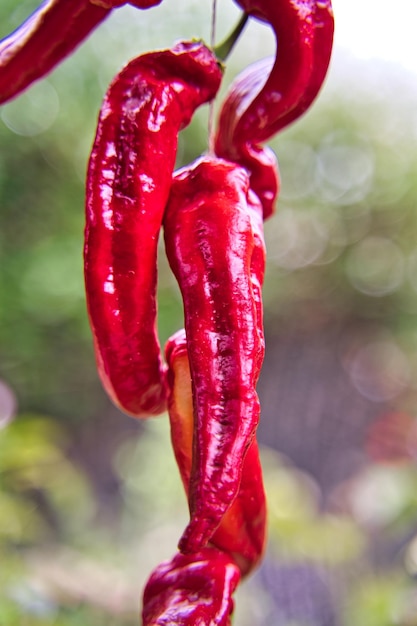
(223, 49)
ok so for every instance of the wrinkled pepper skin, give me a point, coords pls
(242, 531)
(49, 35)
(255, 109)
(128, 183)
(211, 237)
(191, 590)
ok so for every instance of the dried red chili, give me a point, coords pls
(211, 230)
(52, 32)
(128, 183)
(191, 589)
(241, 532)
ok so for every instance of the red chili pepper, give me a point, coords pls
(260, 162)
(191, 589)
(211, 229)
(242, 530)
(52, 32)
(255, 109)
(128, 183)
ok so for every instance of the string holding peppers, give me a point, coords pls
(212, 214)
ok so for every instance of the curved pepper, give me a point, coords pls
(191, 589)
(211, 228)
(50, 34)
(128, 182)
(260, 162)
(254, 108)
(242, 530)
(269, 95)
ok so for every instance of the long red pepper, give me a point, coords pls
(260, 162)
(211, 228)
(191, 590)
(270, 94)
(255, 109)
(52, 32)
(128, 182)
(241, 532)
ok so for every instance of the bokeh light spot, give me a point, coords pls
(8, 404)
(380, 495)
(376, 266)
(300, 181)
(33, 112)
(298, 240)
(345, 169)
(380, 370)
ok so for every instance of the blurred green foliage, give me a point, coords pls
(343, 242)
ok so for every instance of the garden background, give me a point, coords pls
(90, 499)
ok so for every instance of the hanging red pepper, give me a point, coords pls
(256, 108)
(128, 183)
(191, 589)
(52, 32)
(242, 530)
(270, 94)
(260, 162)
(211, 229)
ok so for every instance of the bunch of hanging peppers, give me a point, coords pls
(212, 214)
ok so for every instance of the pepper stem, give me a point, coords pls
(223, 49)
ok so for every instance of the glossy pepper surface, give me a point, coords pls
(256, 108)
(52, 32)
(193, 589)
(270, 94)
(128, 182)
(211, 229)
(241, 532)
(259, 161)
(262, 167)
